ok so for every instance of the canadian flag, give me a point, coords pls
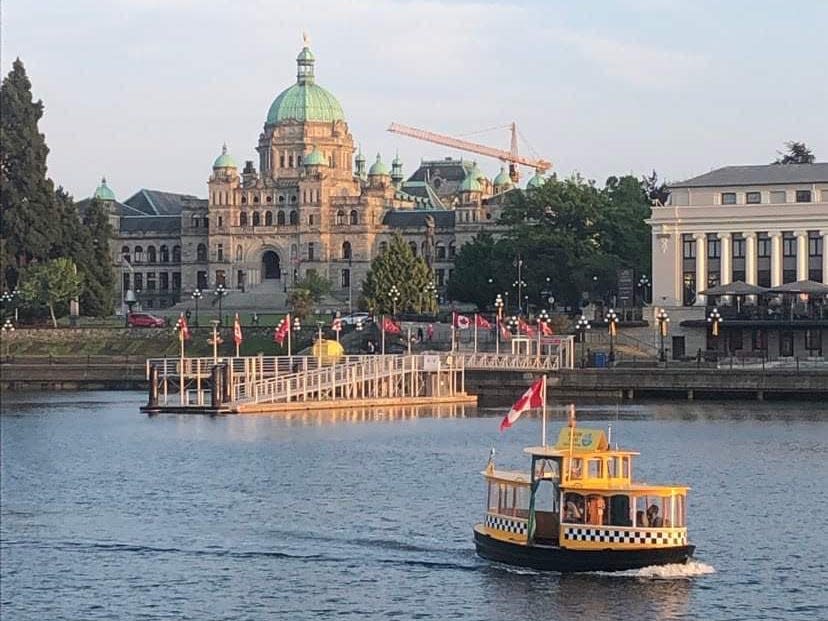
(546, 329)
(336, 324)
(237, 331)
(184, 330)
(389, 326)
(525, 327)
(461, 322)
(481, 322)
(532, 398)
(282, 330)
(504, 332)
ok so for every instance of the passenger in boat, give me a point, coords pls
(595, 510)
(572, 511)
(653, 518)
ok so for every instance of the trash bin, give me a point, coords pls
(600, 360)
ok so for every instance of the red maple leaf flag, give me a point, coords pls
(183, 328)
(237, 331)
(281, 330)
(389, 326)
(546, 329)
(336, 324)
(525, 327)
(461, 322)
(504, 332)
(532, 398)
(481, 322)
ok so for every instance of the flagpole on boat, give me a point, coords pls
(543, 425)
(571, 424)
(475, 333)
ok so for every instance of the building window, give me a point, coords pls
(689, 290)
(713, 279)
(311, 251)
(221, 279)
(268, 218)
(777, 196)
(346, 250)
(176, 254)
(125, 253)
(201, 252)
(340, 217)
(126, 281)
(728, 198)
(256, 218)
(738, 248)
(281, 161)
(220, 252)
(813, 339)
(441, 251)
(239, 253)
(310, 220)
(256, 200)
(165, 254)
(139, 254)
(688, 246)
(220, 222)
(383, 247)
(243, 218)
(763, 278)
(452, 250)
(763, 247)
(201, 280)
(803, 196)
(280, 218)
(759, 340)
(815, 246)
(753, 198)
(441, 277)
(151, 255)
(714, 248)
(294, 217)
(139, 282)
(243, 200)
(164, 281)
(346, 278)
(354, 217)
(269, 199)
(788, 246)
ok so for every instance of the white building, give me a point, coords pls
(763, 225)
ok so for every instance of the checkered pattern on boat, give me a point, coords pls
(510, 525)
(644, 536)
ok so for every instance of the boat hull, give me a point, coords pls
(553, 558)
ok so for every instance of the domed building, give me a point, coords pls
(313, 205)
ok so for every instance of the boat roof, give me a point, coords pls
(514, 477)
(555, 451)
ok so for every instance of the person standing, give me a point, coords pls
(430, 332)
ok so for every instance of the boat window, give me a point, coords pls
(596, 508)
(505, 499)
(618, 511)
(547, 469)
(625, 467)
(574, 509)
(654, 511)
(612, 467)
(594, 469)
(576, 468)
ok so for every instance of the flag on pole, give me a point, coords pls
(481, 322)
(336, 324)
(237, 331)
(461, 322)
(546, 329)
(525, 328)
(532, 398)
(505, 334)
(282, 330)
(389, 326)
(183, 329)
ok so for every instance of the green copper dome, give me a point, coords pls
(103, 193)
(315, 158)
(305, 100)
(476, 173)
(471, 183)
(536, 181)
(377, 168)
(502, 178)
(224, 160)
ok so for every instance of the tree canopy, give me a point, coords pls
(398, 267)
(797, 153)
(51, 283)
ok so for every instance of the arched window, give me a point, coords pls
(176, 254)
(310, 220)
(201, 253)
(281, 198)
(280, 218)
(139, 254)
(256, 200)
(125, 253)
(243, 199)
(452, 250)
(195, 222)
(256, 220)
(165, 254)
(243, 218)
(238, 253)
(413, 246)
(151, 255)
(441, 251)
(354, 217)
(346, 250)
(293, 251)
(340, 217)
(269, 199)
(294, 217)
(268, 218)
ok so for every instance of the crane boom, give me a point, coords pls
(464, 145)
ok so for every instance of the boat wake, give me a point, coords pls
(677, 571)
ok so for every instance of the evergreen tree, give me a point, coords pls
(96, 268)
(797, 153)
(27, 202)
(398, 267)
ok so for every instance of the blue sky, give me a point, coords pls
(146, 91)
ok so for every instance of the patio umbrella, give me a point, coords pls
(801, 286)
(735, 288)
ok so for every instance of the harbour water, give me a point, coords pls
(110, 514)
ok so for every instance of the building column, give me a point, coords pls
(701, 266)
(824, 235)
(801, 255)
(750, 258)
(776, 258)
(725, 261)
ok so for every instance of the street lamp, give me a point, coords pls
(431, 294)
(581, 326)
(10, 297)
(130, 300)
(196, 297)
(8, 326)
(543, 317)
(663, 323)
(219, 293)
(644, 283)
(519, 283)
(513, 323)
(499, 307)
(611, 320)
(394, 296)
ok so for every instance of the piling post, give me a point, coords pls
(215, 386)
(153, 387)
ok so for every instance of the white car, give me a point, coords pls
(353, 319)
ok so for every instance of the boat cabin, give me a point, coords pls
(580, 494)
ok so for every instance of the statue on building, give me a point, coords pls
(428, 251)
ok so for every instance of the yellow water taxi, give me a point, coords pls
(578, 509)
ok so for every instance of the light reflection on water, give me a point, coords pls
(107, 513)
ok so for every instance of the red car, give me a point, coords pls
(145, 320)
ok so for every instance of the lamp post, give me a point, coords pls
(10, 297)
(512, 323)
(581, 326)
(519, 283)
(431, 295)
(499, 306)
(196, 297)
(130, 302)
(644, 284)
(219, 293)
(297, 327)
(543, 319)
(182, 334)
(714, 318)
(215, 340)
(319, 325)
(612, 326)
(394, 296)
(663, 320)
(8, 326)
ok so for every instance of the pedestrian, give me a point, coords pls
(420, 334)
(255, 319)
(430, 332)
(188, 314)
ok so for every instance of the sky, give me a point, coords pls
(145, 92)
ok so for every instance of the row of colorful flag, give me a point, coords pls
(463, 322)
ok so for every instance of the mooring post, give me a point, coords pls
(227, 378)
(153, 387)
(215, 386)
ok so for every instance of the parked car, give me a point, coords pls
(145, 320)
(353, 319)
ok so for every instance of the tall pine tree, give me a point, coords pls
(27, 200)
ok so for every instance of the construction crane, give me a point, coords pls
(512, 157)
